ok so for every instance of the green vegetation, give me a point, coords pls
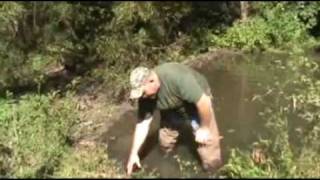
(290, 99)
(275, 25)
(34, 131)
(88, 163)
(51, 52)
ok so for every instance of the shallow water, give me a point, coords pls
(236, 114)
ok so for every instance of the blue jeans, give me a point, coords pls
(176, 119)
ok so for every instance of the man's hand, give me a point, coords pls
(203, 135)
(134, 159)
(140, 134)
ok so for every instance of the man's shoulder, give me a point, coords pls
(169, 65)
(172, 67)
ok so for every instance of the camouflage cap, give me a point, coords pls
(137, 76)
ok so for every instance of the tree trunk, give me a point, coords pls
(244, 6)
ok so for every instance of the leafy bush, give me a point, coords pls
(277, 25)
(244, 35)
(35, 129)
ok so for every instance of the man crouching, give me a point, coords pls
(182, 95)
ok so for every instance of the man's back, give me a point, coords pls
(179, 84)
(180, 88)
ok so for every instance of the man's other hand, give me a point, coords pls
(134, 159)
(203, 135)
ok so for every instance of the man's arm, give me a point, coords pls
(205, 111)
(191, 91)
(140, 134)
(208, 120)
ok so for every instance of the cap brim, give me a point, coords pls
(136, 93)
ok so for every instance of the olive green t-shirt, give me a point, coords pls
(180, 86)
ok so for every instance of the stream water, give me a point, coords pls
(236, 113)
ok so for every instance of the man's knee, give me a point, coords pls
(210, 156)
(211, 161)
(212, 165)
(167, 139)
